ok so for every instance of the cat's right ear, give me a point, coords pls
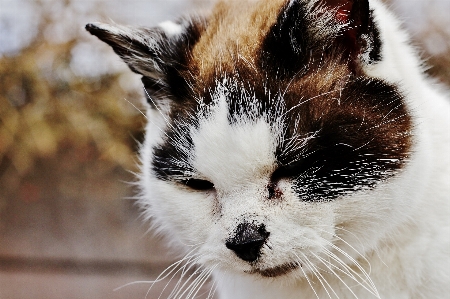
(159, 54)
(138, 47)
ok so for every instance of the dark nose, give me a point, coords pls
(247, 241)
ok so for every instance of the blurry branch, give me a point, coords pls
(439, 64)
(46, 108)
(440, 67)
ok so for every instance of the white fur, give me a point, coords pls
(394, 239)
(171, 29)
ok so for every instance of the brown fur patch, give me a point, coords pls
(232, 34)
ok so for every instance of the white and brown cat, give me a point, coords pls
(294, 149)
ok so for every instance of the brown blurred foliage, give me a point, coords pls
(438, 64)
(45, 108)
(41, 114)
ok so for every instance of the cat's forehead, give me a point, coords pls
(234, 152)
(270, 45)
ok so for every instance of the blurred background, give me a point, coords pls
(69, 131)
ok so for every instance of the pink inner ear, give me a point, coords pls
(344, 8)
(342, 15)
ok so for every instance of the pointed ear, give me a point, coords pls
(138, 47)
(359, 37)
(306, 30)
(159, 54)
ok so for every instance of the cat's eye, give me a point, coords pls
(290, 170)
(197, 184)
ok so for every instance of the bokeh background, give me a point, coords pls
(69, 128)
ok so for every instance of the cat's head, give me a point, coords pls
(268, 147)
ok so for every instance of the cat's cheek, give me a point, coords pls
(181, 213)
(303, 228)
(367, 217)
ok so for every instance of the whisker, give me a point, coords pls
(157, 108)
(362, 279)
(132, 283)
(183, 289)
(213, 289)
(209, 292)
(323, 261)
(353, 248)
(189, 259)
(206, 274)
(307, 278)
(184, 270)
(347, 270)
(139, 110)
(179, 287)
(193, 245)
(316, 272)
(306, 101)
(358, 265)
(371, 288)
(158, 278)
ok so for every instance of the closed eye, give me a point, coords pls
(199, 185)
(287, 171)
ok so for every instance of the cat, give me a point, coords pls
(294, 149)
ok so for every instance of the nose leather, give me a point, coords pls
(247, 241)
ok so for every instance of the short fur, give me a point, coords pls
(294, 149)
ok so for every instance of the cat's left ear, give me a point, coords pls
(305, 31)
(159, 53)
(359, 35)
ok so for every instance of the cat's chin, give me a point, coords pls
(277, 271)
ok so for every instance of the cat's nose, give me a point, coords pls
(247, 241)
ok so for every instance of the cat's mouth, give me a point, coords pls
(276, 271)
